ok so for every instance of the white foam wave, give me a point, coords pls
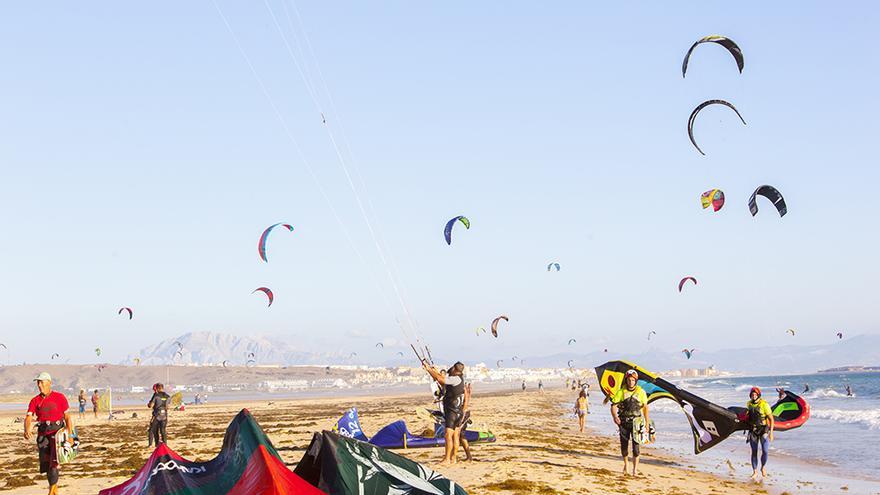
(825, 393)
(866, 417)
(721, 382)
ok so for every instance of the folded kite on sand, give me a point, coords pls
(397, 436)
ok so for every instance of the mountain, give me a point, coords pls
(862, 350)
(210, 348)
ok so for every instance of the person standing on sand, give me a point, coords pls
(581, 408)
(453, 400)
(82, 403)
(523, 385)
(50, 411)
(540, 386)
(159, 404)
(760, 430)
(629, 403)
(95, 400)
(465, 419)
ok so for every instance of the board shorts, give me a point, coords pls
(463, 420)
(451, 418)
(627, 437)
(82, 408)
(46, 444)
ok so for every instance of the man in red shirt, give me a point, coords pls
(50, 409)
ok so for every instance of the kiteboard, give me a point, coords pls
(641, 432)
(66, 447)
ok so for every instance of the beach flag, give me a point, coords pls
(344, 466)
(247, 464)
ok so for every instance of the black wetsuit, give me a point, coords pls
(627, 411)
(453, 400)
(159, 402)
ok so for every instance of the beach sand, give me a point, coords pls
(539, 449)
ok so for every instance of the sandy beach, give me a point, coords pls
(539, 449)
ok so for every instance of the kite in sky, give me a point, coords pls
(727, 43)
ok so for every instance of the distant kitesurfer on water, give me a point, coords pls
(806, 387)
(453, 400)
(849, 392)
(760, 430)
(581, 408)
(50, 410)
(629, 403)
(82, 403)
(158, 422)
(95, 400)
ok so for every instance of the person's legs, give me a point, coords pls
(624, 445)
(162, 425)
(753, 444)
(448, 436)
(581, 422)
(456, 438)
(765, 451)
(466, 447)
(154, 432)
(636, 454)
(52, 476)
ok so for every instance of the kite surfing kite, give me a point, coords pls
(225, 363)
(770, 193)
(247, 463)
(379, 344)
(397, 436)
(55, 356)
(480, 329)
(682, 281)
(498, 363)
(713, 198)
(261, 247)
(839, 335)
(551, 265)
(179, 345)
(250, 355)
(130, 312)
(268, 292)
(572, 341)
(792, 331)
(721, 40)
(688, 352)
(137, 361)
(495, 325)
(651, 333)
(570, 362)
(353, 354)
(447, 232)
(697, 110)
(710, 423)
(98, 351)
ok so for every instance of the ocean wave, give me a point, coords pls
(867, 417)
(721, 382)
(826, 393)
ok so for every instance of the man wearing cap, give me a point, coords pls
(50, 409)
(629, 403)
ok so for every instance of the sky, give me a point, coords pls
(145, 147)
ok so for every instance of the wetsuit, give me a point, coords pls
(159, 403)
(453, 399)
(758, 412)
(629, 407)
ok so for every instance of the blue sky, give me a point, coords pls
(141, 161)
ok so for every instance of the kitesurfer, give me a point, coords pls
(849, 392)
(159, 404)
(50, 410)
(581, 408)
(760, 421)
(806, 388)
(629, 403)
(95, 400)
(453, 400)
(82, 403)
(465, 419)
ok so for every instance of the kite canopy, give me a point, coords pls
(688, 352)
(268, 292)
(727, 43)
(495, 325)
(572, 341)
(130, 312)
(342, 466)
(839, 335)
(247, 464)
(447, 231)
(682, 281)
(697, 110)
(713, 198)
(553, 265)
(770, 193)
(261, 246)
(397, 436)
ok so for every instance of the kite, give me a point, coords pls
(55, 355)
(770, 193)
(137, 361)
(697, 110)
(261, 247)
(400, 353)
(353, 354)
(688, 352)
(268, 292)
(447, 232)
(495, 325)
(606, 350)
(397, 436)
(251, 355)
(713, 198)
(179, 345)
(839, 336)
(130, 312)
(721, 40)
(478, 329)
(379, 344)
(682, 281)
(498, 363)
(98, 351)
(178, 353)
(551, 265)
(710, 423)
(570, 362)
(791, 331)
(225, 363)
(514, 358)
(651, 333)
(572, 341)
(4, 346)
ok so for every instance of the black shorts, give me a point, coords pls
(463, 420)
(451, 418)
(626, 436)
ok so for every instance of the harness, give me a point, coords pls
(453, 396)
(629, 408)
(756, 421)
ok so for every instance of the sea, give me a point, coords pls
(836, 448)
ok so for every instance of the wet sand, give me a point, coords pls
(539, 450)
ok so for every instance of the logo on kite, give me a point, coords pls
(713, 198)
(681, 283)
(268, 292)
(447, 231)
(727, 43)
(688, 352)
(130, 312)
(551, 265)
(697, 110)
(495, 325)
(261, 247)
(770, 193)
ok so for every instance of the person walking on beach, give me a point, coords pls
(760, 430)
(50, 410)
(158, 422)
(95, 400)
(523, 385)
(453, 400)
(82, 403)
(540, 386)
(629, 403)
(581, 408)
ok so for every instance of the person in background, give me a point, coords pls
(82, 403)
(95, 400)
(760, 430)
(523, 385)
(159, 404)
(581, 409)
(540, 386)
(50, 410)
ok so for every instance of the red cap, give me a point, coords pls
(755, 390)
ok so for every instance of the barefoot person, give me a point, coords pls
(453, 400)
(159, 404)
(95, 400)
(463, 423)
(50, 410)
(82, 403)
(760, 430)
(581, 408)
(629, 403)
